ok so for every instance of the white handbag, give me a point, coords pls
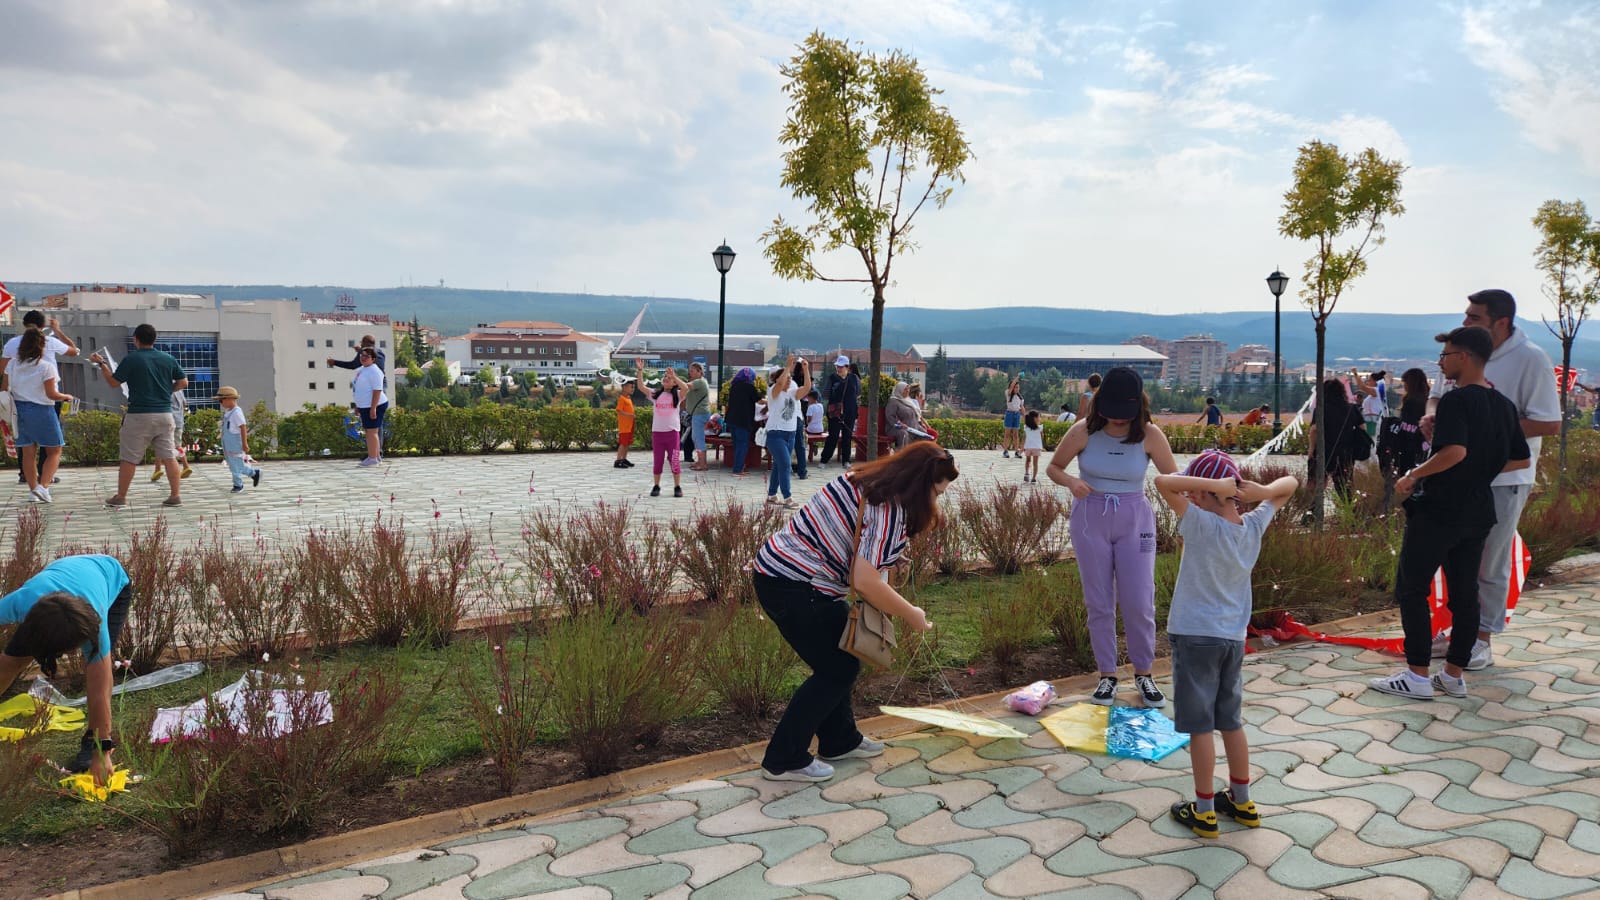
(761, 436)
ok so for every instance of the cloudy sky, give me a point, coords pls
(1128, 155)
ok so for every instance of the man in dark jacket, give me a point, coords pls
(844, 398)
(740, 416)
(367, 340)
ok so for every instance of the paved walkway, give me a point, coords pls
(1364, 795)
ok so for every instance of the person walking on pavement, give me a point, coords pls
(151, 376)
(55, 344)
(843, 393)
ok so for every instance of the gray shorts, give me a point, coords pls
(144, 431)
(1207, 687)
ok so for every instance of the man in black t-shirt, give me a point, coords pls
(1449, 513)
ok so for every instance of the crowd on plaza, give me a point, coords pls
(1464, 472)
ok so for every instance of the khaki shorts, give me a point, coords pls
(142, 431)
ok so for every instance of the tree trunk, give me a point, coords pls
(876, 347)
(1566, 401)
(1318, 422)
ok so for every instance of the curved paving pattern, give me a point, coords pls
(1363, 795)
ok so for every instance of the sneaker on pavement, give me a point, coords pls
(237, 489)
(1404, 683)
(817, 771)
(1105, 693)
(255, 478)
(1441, 645)
(1148, 692)
(1244, 813)
(114, 503)
(172, 501)
(40, 494)
(368, 461)
(655, 490)
(677, 490)
(1482, 657)
(1203, 824)
(867, 749)
(1444, 684)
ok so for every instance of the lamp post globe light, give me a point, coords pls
(723, 258)
(1276, 282)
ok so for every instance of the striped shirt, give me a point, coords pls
(814, 547)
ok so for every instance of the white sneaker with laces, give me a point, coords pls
(40, 494)
(1404, 683)
(1482, 657)
(867, 749)
(817, 771)
(1444, 684)
(1441, 645)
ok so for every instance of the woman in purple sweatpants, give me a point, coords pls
(1114, 528)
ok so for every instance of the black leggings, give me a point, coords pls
(811, 622)
(1429, 544)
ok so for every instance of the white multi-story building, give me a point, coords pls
(544, 348)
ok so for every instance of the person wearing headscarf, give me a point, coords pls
(740, 415)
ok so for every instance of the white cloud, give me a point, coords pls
(1027, 68)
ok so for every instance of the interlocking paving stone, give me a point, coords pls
(956, 795)
(878, 845)
(814, 864)
(928, 874)
(968, 887)
(605, 855)
(1523, 879)
(1152, 882)
(1252, 883)
(989, 855)
(748, 883)
(777, 846)
(1269, 789)
(1383, 887)
(1552, 820)
(1211, 866)
(865, 887)
(522, 879)
(1100, 818)
(845, 826)
(1346, 848)
(1561, 858)
(1444, 877)
(711, 802)
(1458, 799)
(707, 864)
(1520, 838)
(1586, 837)
(904, 809)
(1484, 857)
(1011, 779)
(571, 836)
(1299, 869)
(1083, 857)
(990, 812)
(1306, 828)
(409, 877)
(359, 887)
(1387, 797)
(808, 802)
(1386, 831)
(641, 881)
(679, 835)
(1044, 836)
(1348, 812)
(1027, 877)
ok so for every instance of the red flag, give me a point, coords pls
(633, 330)
(7, 299)
(1566, 379)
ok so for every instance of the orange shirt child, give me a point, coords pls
(624, 416)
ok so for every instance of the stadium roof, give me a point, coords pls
(1042, 352)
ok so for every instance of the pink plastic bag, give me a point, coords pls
(1031, 699)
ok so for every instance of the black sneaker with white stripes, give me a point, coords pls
(1148, 692)
(1105, 693)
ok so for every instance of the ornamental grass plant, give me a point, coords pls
(507, 699)
(157, 577)
(715, 546)
(1011, 527)
(744, 659)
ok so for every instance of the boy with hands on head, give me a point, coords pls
(1210, 611)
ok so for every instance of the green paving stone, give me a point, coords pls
(911, 774)
(678, 835)
(1412, 742)
(1518, 746)
(804, 803)
(990, 812)
(1459, 771)
(864, 887)
(720, 800)
(1009, 779)
(1165, 825)
(989, 855)
(1387, 831)
(408, 877)
(1210, 865)
(1083, 857)
(1391, 798)
(1457, 798)
(1013, 749)
(1258, 715)
(485, 838)
(1410, 718)
(1585, 836)
(1269, 789)
(1098, 892)
(1316, 715)
(1278, 762)
(1521, 878)
(1586, 806)
(1098, 819)
(1467, 721)
(1308, 829)
(1568, 686)
(641, 881)
(1319, 698)
(904, 809)
(876, 846)
(1198, 892)
(1091, 783)
(781, 843)
(1528, 775)
(642, 799)
(1520, 838)
(1345, 739)
(1022, 722)
(572, 835)
(967, 887)
(933, 746)
(333, 875)
(522, 879)
(1346, 766)
(1293, 662)
(1579, 748)
(1443, 877)
(748, 883)
(1297, 868)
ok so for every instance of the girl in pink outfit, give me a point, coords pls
(664, 427)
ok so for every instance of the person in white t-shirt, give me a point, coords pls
(1523, 373)
(783, 418)
(33, 391)
(1067, 415)
(55, 344)
(371, 403)
(236, 440)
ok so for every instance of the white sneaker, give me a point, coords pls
(1441, 645)
(367, 462)
(867, 749)
(1482, 657)
(817, 771)
(40, 494)
(1404, 683)
(1444, 684)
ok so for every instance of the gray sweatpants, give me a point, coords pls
(1494, 572)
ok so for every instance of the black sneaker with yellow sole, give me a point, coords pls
(1244, 813)
(1203, 824)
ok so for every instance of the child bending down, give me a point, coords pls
(1206, 625)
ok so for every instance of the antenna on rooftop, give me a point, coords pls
(345, 304)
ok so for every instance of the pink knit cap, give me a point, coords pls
(1213, 464)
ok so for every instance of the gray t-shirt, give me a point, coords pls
(1212, 596)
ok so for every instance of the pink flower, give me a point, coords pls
(437, 514)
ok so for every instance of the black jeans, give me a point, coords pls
(841, 435)
(1429, 544)
(811, 622)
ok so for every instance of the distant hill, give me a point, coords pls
(455, 311)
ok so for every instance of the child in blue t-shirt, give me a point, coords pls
(1206, 625)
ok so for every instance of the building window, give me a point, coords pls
(311, 342)
(330, 386)
(350, 343)
(330, 342)
(311, 364)
(383, 344)
(312, 385)
(541, 351)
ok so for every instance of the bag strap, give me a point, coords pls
(855, 546)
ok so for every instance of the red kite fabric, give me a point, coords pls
(1566, 379)
(7, 299)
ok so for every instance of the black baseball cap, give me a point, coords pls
(1121, 394)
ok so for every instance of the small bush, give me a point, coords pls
(1166, 577)
(323, 566)
(715, 547)
(507, 702)
(27, 550)
(949, 541)
(402, 593)
(590, 557)
(158, 597)
(240, 599)
(744, 659)
(93, 437)
(22, 768)
(616, 679)
(919, 656)
(1009, 526)
(1305, 570)
(1557, 523)
(1008, 624)
(1058, 593)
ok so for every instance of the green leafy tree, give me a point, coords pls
(994, 393)
(868, 148)
(1340, 204)
(404, 357)
(414, 374)
(1569, 256)
(438, 375)
(939, 372)
(419, 341)
(968, 386)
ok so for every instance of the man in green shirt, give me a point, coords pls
(151, 376)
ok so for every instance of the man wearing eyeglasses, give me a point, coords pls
(1520, 371)
(1450, 511)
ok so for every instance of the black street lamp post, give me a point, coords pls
(1276, 282)
(723, 257)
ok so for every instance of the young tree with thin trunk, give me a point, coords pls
(1336, 198)
(868, 148)
(1569, 256)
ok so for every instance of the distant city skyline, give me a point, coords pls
(1132, 157)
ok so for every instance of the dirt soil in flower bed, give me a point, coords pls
(119, 849)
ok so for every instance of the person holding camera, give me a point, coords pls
(55, 344)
